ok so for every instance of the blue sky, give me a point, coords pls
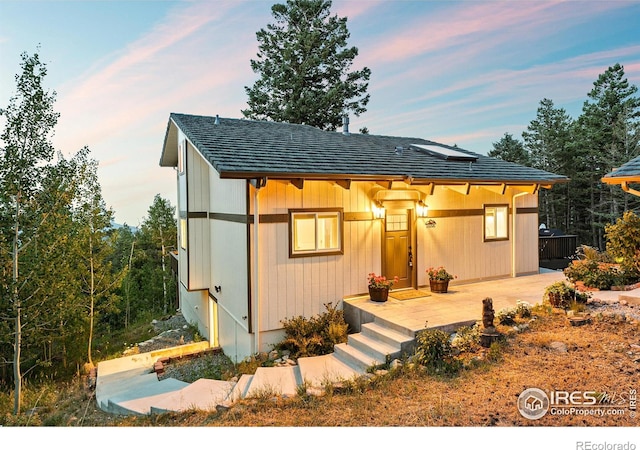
(455, 72)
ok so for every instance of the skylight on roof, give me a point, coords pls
(445, 153)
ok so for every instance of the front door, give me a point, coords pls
(396, 249)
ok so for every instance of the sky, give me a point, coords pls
(462, 73)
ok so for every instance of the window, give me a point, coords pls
(496, 222)
(183, 233)
(182, 145)
(315, 232)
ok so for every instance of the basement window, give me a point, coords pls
(496, 222)
(315, 232)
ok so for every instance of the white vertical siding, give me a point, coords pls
(229, 253)
(293, 287)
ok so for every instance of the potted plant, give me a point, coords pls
(439, 279)
(379, 287)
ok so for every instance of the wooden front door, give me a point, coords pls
(396, 249)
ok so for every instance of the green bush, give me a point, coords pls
(623, 243)
(562, 295)
(467, 339)
(435, 352)
(508, 316)
(314, 336)
(595, 269)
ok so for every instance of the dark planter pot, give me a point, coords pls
(439, 286)
(378, 294)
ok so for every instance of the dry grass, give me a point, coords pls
(603, 356)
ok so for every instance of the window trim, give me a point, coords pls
(484, 222)
(316, 211)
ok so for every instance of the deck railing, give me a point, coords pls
(557, 247)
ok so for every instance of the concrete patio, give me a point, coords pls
(461, 305)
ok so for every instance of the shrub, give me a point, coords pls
(561, 295)
(508, 316)
(595, 269)
(435, 353)
(467, 339)
(314, 336)
(623, 243)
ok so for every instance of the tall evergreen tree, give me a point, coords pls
(608, 117)
(304, 66)
(510, 149)
(547, 139)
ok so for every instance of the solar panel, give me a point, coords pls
(445, 152)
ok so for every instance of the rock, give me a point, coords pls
(396, 363)
(559, 347)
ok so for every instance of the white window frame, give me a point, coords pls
(338, 249)
(494, 230)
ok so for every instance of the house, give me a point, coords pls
(276, 220)
(625, 175)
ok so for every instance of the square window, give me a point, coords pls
(496, 222)
(315, 232)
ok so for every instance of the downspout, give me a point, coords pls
(514, 238)
(259, 183)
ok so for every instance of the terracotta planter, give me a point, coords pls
(378, 294)
(439, 286)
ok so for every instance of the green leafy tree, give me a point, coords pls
(94, 248)
(27, 150)
(510, 149)
(304, 65)
(158, 236)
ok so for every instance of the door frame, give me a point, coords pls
(412, 225)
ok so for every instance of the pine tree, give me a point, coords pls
(510, 149)
(304, 66)
(609, 118)
(547, 139)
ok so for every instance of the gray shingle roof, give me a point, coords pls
(239, 148)
(627, 170)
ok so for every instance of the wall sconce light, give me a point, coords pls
(378, 210)
(421, 209)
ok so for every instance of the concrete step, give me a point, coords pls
(321, 371)
(106, 390)
(274, 381)
(239, 391)
(403, 340)
(202, 394)
(356, 358)
(376, 348)
(140, 401)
